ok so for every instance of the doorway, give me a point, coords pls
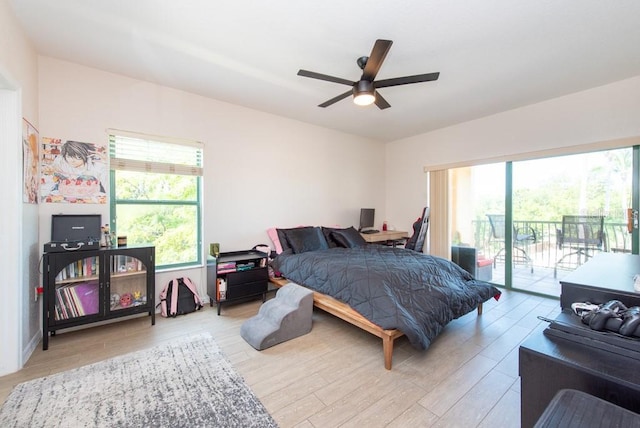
(11, 308)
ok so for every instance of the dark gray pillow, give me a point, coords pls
(282, 236)
(327, 231)
(348, 238)
(306, 239)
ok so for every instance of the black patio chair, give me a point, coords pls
(581, 235)
(519, 240)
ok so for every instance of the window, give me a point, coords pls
(155, 195)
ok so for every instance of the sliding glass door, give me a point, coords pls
(538, 220)
(477, 205)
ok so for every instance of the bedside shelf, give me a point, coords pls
(237, 276)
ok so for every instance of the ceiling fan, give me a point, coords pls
(365, 90)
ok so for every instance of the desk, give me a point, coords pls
(387, 235)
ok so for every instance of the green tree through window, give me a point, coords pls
(155, 195)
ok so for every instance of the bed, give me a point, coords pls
(387, 291)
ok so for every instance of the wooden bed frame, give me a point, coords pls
(345, 312)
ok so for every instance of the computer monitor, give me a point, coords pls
(367, 218)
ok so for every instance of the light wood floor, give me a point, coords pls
(334, 376)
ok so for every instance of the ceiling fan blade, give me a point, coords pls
(314, 75)
(406, 80)
(381, 102)
(336, 99)
(378, 54)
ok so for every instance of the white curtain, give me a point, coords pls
(440, 243)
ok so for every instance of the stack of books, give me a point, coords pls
(245, 266)
(77, 300)
(226, 267)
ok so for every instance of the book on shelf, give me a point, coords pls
(87, 296)
(72, 305)
(61, 306)
(122, 263)
(80, 268)
(226, 267)
(65, 304)
(221, 289)
(245, 266)
(76, 300)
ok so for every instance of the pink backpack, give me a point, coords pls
(179, 297)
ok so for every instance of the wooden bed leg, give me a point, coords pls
(387, 350)
(480, 309)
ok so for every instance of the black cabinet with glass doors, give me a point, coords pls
(83, 287)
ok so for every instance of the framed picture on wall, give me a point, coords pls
(73, 172)
(29, 162)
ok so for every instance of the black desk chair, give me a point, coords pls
(581, 235)
(497, 223)
(420, 227)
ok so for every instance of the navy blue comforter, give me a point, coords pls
(394, 288)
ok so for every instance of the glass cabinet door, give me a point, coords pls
(127, 282)
(77, 289)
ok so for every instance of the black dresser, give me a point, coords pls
(607, 276)
(549, 362)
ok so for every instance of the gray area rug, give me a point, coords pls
(189, 383)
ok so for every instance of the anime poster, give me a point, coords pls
(73, 172)
(29, 162)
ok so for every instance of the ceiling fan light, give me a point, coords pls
(364, 99)
(363, 93)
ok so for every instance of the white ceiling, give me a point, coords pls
(492, 55)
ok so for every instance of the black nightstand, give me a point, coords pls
(237, 276)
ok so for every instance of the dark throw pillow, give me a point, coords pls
(306, 239)
(327, 231)
(348, 238)
(282, 236)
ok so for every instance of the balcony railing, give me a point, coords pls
(545, 252)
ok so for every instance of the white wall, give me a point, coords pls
(19, 313)
(604, 113)
(261, 170)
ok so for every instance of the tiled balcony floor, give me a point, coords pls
(540, 281)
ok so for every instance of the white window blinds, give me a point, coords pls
(144, 153)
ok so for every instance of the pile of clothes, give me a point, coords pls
(612, 316)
